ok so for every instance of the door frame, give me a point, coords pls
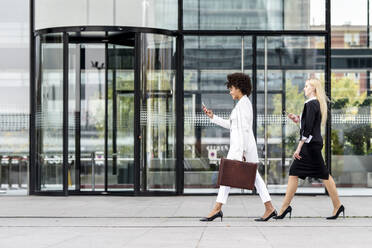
(34, 171)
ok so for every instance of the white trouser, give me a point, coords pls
(260, 185)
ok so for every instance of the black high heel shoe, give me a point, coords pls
(340, 209)
(219, 214)
(273, 214)
(286, 211)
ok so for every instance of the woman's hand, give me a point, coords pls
(296, 154)
(294, 118)
(208, 112)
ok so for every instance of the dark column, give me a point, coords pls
(32, 136)
(137, 108)
(180, 118)
(106, 114)
(65, 114)
(328, 83)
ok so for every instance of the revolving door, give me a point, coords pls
(105, 119)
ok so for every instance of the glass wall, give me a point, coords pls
(351, 98)
(49, 113)
(291, 60)
(254, 14)
(136, 13)
(73, 111)
(92, 119)
(102, 118)
(157, 116)
(120, 117)
(87, 113)
(207, 61)
(14, 96)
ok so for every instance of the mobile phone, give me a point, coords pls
(204, 105)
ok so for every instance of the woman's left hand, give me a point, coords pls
(296, 154)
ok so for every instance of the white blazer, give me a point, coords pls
(240, 123)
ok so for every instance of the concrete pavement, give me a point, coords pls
(112, 221)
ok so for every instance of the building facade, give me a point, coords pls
(108, 100)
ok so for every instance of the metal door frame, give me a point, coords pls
(137, 101)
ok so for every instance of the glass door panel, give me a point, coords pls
(290, 60)
(121, 116)
(157, 116)
(49, 114)
(121, 166)
(92, 119)
(207, 62)
(73, 115)
(101, 113)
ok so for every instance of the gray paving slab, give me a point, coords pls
(81, 221)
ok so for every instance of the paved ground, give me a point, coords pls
(105, 222)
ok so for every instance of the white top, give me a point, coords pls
(242, 141)
(310, 99)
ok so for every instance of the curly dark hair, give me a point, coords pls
(240, 81)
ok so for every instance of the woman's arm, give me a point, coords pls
(216, 119)
(309, 122)
(220, 121)
(296, 154)
(245, 122)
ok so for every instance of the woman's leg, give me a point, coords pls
(264, 194)
(332, 191)
(223, 194)
(291, 190)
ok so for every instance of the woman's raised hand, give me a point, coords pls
(208, 112)
(294, 118)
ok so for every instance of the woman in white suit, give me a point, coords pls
(242, 142)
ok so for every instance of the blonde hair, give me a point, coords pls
(321, 96)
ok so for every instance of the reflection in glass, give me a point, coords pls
(291, 60)
(158, 112)
(349, 31)
(351, 98)
(147, 13)
(73, 111)
(207, 62)
(49, 112)
(254, 15)
(351, 130)
(92, 117)
(136, 13)
(120, 118)
(14, 97)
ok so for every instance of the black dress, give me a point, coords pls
(311, 163)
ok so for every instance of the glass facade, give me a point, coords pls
(290, 61)
(207, 61)
(145, 13)
(125, 131)
(253, 15)
(14, 96)
(115, 92)
(120, 117)
(49, 113)
(351, 98)
(157, 114)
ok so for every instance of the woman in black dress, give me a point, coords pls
(308, 160)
